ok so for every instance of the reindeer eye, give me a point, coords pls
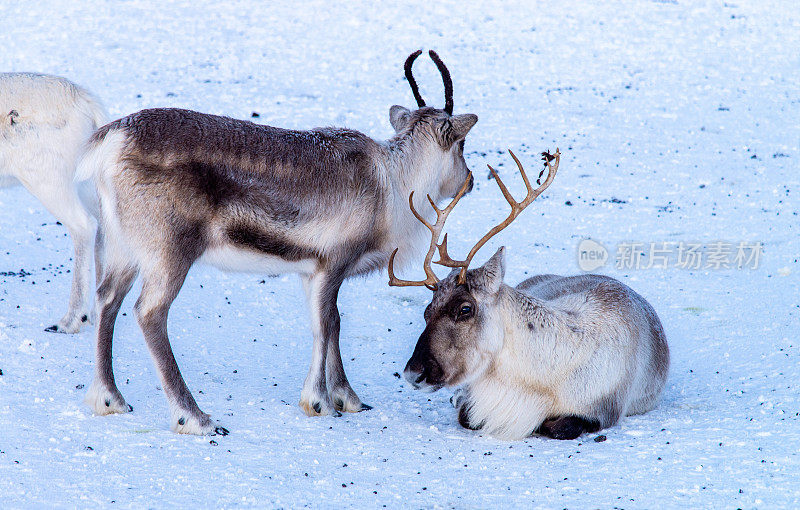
(464, 311)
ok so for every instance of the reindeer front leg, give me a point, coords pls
(326, 389)
(339, 389)
(314, 399)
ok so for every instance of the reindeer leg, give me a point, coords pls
(326, 382)
(160, 286)
(60, 197)
(91, 201)
(342, 394)
(567, 427)
(338, 387)
(314, 399)
(103, 396)
(99, 254)
(461, 401)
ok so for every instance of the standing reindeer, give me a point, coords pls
(555, 355)
(178, 186)
(44, 123)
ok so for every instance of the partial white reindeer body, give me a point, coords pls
(44, 124)
(556, 355)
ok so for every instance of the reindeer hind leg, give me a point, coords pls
(103, 396)
(160, 287)
(60, 196)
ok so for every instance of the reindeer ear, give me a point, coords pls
(456, 128)
(398, 117)
(462, 124)
(490, 275)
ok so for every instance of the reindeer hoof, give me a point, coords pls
(318, 408)
(70, 324)
(567, 427)
(345, 400)
(365, 407)
(103, 401)
(190, 423)
(458, 398)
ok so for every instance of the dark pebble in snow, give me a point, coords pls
(396, 375)
(255, 115)
(79, 387)
(213, 443)
(600, 438)
(568, 202)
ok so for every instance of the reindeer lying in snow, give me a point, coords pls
(178, 187)
(44, 123)
(555, 355)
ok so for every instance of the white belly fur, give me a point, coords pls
(230, 258)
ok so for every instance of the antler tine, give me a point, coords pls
(551, 174)
(416, 214)
(444, 257)
(516, 208)
(436, 229)
(397, 282)
(433, 204)
(507, 194)
(410, 77)
(521, 170)
(446, 79)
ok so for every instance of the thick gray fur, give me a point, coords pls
(177, 187)
(555, 355)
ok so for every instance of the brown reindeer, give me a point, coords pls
(177, 187)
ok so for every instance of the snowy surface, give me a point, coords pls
(678, 121)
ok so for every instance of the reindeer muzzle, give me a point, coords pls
(422, 371)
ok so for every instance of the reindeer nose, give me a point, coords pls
(414, 372)
(423, 375)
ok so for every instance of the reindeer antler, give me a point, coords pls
(516, 208)
(446, 79)
(436, 229)
(410, 77)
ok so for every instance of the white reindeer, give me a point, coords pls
(556, 356)
(44, 124)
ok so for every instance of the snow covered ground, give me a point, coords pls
(678, 122)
